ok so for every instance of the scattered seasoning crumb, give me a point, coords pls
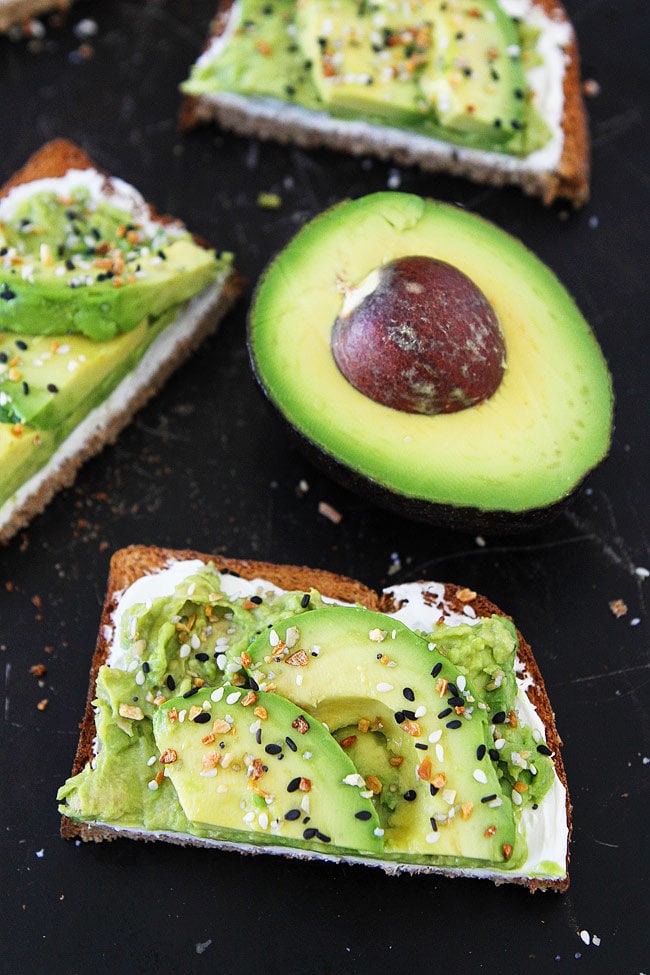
(585, 937)
(642, 572)
(40, 853)
(593, 221)
(327, 511)
(302, 487)
(590, 88)
(269, 201)
(618, 607)
(42, 704)
(38, 670)
(202, 946)
(394, 180)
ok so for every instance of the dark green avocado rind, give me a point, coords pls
(462, 516)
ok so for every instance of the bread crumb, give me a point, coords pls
(327, 511)
(590, 88)
(42, 704)
(618, 607)
(38, 670)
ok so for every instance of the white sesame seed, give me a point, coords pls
(181, 715)
(421, 711)
(440, 753)
(480, 776)
(153, 785)
(435, 736)
(217, 695)
(184, 651)
(384, 688)
(139, 678)
(233, 698)
(249, 817)
(585, 937)
(378, 831)
(461, 682)
(263, 820)
(433, 837)
(195, 643)
(516, 798)
(152, 760)
(274, 639)
(221, 661)
(208, 773)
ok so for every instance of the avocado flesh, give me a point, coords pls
(262, 778)
(357, 666)
(523, 450)
(436, 71)
(75, 265)
(34, 424)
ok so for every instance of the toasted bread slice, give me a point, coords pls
(195, 320)
(566, 175)
(16, 12)
(132, 564)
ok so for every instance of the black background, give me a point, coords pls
(206, 465)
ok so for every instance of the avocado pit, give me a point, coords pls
(418, 335)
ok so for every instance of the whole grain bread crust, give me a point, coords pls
(568, 180)
(129, 564)
(54, 160)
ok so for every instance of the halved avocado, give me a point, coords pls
(507, 462)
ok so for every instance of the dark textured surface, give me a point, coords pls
(207, 465)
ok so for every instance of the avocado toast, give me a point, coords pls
(488, 90)
(100, 300)
(263, 708)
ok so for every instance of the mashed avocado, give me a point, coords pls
(170, 649)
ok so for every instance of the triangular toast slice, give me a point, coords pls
(159, 598)
(88, 331)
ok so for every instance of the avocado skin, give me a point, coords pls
(461, 519)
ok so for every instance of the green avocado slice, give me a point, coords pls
(77, 265)
(506, 462)
(421, 734)
(251, 763)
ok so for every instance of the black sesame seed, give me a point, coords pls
(291, 743)
(292, 814)
(306, 820)
(309, 833)
(436, 670)
(171, 683)
(519, 93)
(410, 795)
(434, 825)
(257, 600)
(452, 725)
(25, 388)
(4, 357)
(379, 656)
(146, 667)
(433, 790)
(456, 702)
(468, 72)
(459, 35)
(497, 123)
(409, 714)
(364, 814)
(69, 264)
(323, 837)
(7, 294)
(499, 717)
(445, 713)
(52, 388)
(162, 255)
(304, 602)
(480, 752)
(273, 749)
(202, 657)
(495, 75)
(95, 232)
(192, 691)
(535, 805)
(399, 717)
(451, 687)
(293, 785)
(516, 124)
(421, 746)
(21, 345)
(544, 750)
(254, 686)
(408, 694)
(494, 754)
(290, 90)
(258, 736)
(202, 718)
(490, 798)
(4, 251)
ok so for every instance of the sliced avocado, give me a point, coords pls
(506, 462)
(251, 763)
(75, 265)
(460, 65)
(354, 669)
